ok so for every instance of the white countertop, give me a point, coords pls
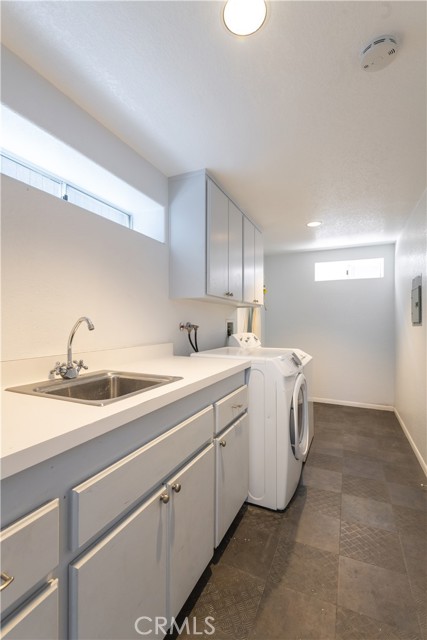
(35, 428)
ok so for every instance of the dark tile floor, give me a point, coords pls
(347, 559)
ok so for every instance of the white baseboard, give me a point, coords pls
(411, 442)
(381, 407)
(360, 405)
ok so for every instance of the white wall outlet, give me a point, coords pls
(230, 328)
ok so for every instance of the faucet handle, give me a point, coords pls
(80, 364)
(59, 369)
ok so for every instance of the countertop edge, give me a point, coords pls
(36, 453)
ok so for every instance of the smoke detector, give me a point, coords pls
(379, 53)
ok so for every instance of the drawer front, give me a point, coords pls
(99, 500)
(231, 407)
(122, 578)
(37, 620)
(29, 551)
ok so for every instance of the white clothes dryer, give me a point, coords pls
(279, 417)
(245, 340)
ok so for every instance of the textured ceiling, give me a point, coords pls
(285, 119)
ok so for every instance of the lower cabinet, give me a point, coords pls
(130, 583)
(119, 548)
(232, 474)
(29, 556)
(191, 526)
(122, 577)
(37, 619)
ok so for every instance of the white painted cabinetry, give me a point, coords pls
(231, 459)
(37, 619)
(191, 526)
(232, 474)
(104, 496)
(205, 240)
(253, 264)
(122, 578)
(131, 528)
(143, 571)
(29, 554)
(146, 567)
(224, 245)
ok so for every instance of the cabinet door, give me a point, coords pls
(248, 261)
(259, 268)
(191, 526)
(253, 264)
(101, 498)
(232, 475)
(29, 551)
(122, 579)
(235, 252)
(217, 242)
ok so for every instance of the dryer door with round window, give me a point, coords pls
(298, 421)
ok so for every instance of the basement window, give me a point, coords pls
(40, 160)
(349, 269)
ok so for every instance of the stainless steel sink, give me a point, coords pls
(99, 388)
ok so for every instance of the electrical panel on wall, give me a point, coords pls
(416, 309)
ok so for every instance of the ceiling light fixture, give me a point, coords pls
(244, 17)
(315, 223)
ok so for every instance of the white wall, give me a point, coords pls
(411, 343)
(348, 326)
(30, 95)
(60, 262)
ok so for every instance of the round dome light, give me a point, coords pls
(243, 17)
(315, 223)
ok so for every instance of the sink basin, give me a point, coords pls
(99, 388)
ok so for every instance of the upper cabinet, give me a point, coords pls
(206, 237)
(224, 245)
(253, 264)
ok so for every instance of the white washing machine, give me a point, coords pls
(280, 417)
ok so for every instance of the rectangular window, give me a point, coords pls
(33, 156)
(14, 169)
(56, 187)
(349, 269)
(90, 203)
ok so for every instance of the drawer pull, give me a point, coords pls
(6, 580)
(223, 443)
(176, 487)
(164, 498)
(236, 406)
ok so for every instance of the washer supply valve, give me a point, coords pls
(189, 327)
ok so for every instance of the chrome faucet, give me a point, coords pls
(68, 370)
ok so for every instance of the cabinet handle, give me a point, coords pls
(176, 487)
(236, 406)
(164, 498)
(7, 580)
(223, 443)
(256, 300)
